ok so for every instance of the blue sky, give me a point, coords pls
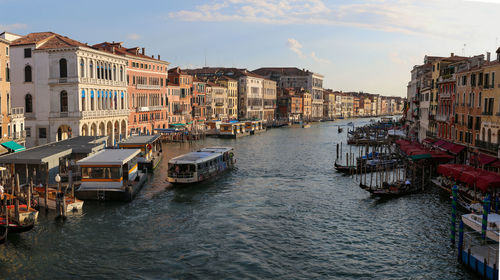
(367, 46)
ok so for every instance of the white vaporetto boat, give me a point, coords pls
(474, 221)
(201, 165)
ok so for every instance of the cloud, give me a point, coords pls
(319, 60)
(133, 36)
(13, 26)
(400, 16)
(295, 47)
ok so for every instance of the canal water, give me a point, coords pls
(282, 213)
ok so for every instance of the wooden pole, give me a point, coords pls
(46, 188)
(423, 177)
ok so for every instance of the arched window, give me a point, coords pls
(63, 68)
(27, 73)
(98, 71)
(28, 103)
(92, 100)
(121, 73)
(105, 71)
(63, 99)
(91, 69)
(489, 135)
(114, 73)
(83, 100)
(479, 99)
(82, 68)
(115, 101)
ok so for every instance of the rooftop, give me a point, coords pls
(47, 40)
(140, 139)
(110, 157)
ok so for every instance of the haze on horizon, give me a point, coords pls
(368, 46)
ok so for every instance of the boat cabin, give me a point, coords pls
(254, 126)
(198, 166)
(150, 147)
(109, 167)
(233, 130)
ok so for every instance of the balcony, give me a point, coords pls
(492, 147)
(102, 113)
(17, 112)
(149, 108)
(487, 113)
(154, 87)
(442, 118)
(18, 135)
(94, 81)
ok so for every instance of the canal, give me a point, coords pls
(282, 213)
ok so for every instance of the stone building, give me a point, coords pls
(68, 88)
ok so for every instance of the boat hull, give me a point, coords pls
(111, 194)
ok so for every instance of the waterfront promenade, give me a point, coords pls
(282, 213)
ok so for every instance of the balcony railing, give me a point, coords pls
(103, 113)
(493, 147)
(487, 113)
(497, 114)
(149, 108)
(140, 86)
(442, 118)
(17, 111)
(17, 135)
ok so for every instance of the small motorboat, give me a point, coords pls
(15, 227)
(72, 203)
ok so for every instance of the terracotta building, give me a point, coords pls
(182, 81)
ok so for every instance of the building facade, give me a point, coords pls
(182, 84)
(147, 88)
(68, 88)
(270, 97)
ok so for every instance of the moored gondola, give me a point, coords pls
(14, 227)
(396, 189)
(3, 234)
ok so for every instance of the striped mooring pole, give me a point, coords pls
(454, 193)
(460, 240)
(486, 206)
(496, 204)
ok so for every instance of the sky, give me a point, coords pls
(368, 46)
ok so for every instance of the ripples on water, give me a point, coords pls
(282, 213)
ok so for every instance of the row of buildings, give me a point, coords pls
(456, 99)
(53, 88)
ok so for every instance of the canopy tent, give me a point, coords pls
(483, 180)
(483, 159)
(488, 180)
(429, 140)
(11, 145)
(439, 143)
(456, 149)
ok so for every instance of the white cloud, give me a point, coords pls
(13, 26)
(319, 60)
(401, 16)
(295, 47)
(133, 36)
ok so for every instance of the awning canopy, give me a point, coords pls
(484, 159)
(439, 143)
(11, 145)
(429, 140)
(456, 149)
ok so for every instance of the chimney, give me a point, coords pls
(143, 51)
(158, 57)
(452, 54)
(488, 56)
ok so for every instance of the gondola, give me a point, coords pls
(344, 168)
(390, 190)
(14, 227)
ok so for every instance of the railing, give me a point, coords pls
(19, 135)
(17, 111)
(103, 113)
(493, 147)
(140, 86)
(442, 118)
(149, 108)
(269, 106)
(497, 114)
(487, 113)
(93, 81)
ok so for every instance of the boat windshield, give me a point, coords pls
(101, 173)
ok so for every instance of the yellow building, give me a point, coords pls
(489, 137)
(232, 95)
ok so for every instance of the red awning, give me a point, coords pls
(456, 149)
(439, 143)
(429, 140)
(470, 176)
(446, 146)
(485, 159)
(496, 164)
(488, 180)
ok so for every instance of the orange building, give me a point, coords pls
(182, 81)
(147, 88)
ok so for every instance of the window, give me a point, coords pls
(27, 52)
(493, 80)
(6, 51)
(91, 69)
(28, 103)
(42, 132)
(63, 68)
(114, 73)
(63, 99)
(479, 100)
(121, 74)
(28, 132)
(27, 74)
(7, 73)
(83, 100)
(82, 68)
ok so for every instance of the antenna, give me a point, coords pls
(205, 57)
(463, 49)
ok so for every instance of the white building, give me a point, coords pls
(251, 97)
(68, 89)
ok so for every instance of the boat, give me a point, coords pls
(395, 189)
(72, 203)
(477, 251)
(150, 146)
(3, 234)
(233, 130)
(111, 175)
(306, 125)
(200, 165)
(344, 168)
(15, 227)
(255, 127)
(474, 221)
(350, 124)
